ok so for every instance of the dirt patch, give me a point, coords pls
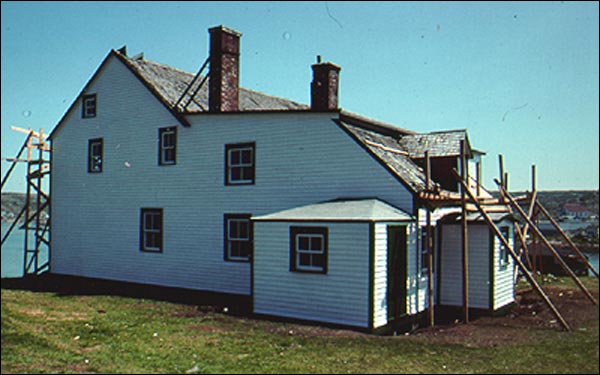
(530, 313)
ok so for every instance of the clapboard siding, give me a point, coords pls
(504, 291)
(380, 276)
(301, 158)
(451, 265)
(340, 296)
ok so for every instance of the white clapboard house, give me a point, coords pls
(310, 212)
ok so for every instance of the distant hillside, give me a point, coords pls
(12, 204)
(554, 201)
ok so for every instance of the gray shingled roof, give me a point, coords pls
(442, 143)
(368, 209)
(456, 217)
(170, 83)
(388, 150)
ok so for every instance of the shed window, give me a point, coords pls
(88, 106)
(503, 250)
(95, 155)
(151, 230)
(239, 164)
(167, 145)
(308, 249)
(424, 268)
(238, 237)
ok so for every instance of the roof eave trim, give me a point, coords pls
(178, 115)
(87, 84)
(338, 122)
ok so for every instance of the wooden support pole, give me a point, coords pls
(501, 168)
(549, 246)
(512, 253)
(567, 239)
(478, 175)
(430, 310)
(465, 249)
(533, 188)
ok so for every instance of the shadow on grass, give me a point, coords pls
(64, 285)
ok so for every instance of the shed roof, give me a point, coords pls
(439, 144)
(388, 151)
(456, 217)
(361, 209)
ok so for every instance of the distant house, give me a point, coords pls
(310, 212)
(576, 211)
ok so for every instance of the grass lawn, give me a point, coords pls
(46, 332)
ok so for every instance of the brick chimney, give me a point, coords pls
(324, 86)
(224, 79)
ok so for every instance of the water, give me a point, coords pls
(12, 251)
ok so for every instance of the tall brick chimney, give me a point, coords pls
(324, 86)
(224, 79)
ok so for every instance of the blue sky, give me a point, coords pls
(521, 77)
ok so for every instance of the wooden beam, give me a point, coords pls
(549, 246)
(564, 235)
(512, 253)
(465, 250)
(430, 310)
(478, 176)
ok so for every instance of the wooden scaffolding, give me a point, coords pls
(35, 222)
(470, 200)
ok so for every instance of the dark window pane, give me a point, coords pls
(318, 260)
(316, 243)
(304, 260)
(246, 156)
(303, 243)
(235, 157)
(243, 229)
(233, 229)
(245, 249)
(236, 173)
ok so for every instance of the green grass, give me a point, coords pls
(48, 333)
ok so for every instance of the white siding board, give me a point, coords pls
(451, 265)
(302, 158)
(380, 276)
(504, 291)
(341, 296)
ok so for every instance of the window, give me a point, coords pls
(503, 250)
(88, 106)
(95, 155)
(151, 230)
(239, 164)
(424, 268)
(308, 249)
(238, 237)
(167, 145)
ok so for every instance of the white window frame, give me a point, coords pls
(504, 257)
(89, 104)
(95, 157)
(423, 259)
(241, 164)
(248, 238)
(309, 251)
(164, 132)
(157, 215)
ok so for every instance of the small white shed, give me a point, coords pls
(491, 269)
(330, 261)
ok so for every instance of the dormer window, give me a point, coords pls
(88, 106)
